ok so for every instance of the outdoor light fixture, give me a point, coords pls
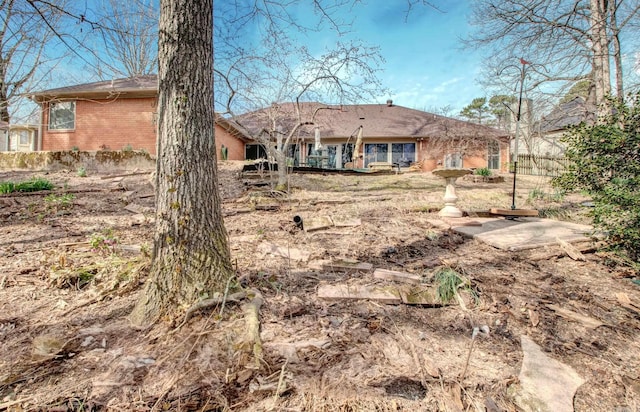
(523, 72)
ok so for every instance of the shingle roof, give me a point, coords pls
(141, 86)
(378, 120)
(567, 114)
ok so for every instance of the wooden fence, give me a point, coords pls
(541, 165)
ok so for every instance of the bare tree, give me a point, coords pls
(23, 48)
(572, 39)
(191, 258)
(250, 77)
(128, 48)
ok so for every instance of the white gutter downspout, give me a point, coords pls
(39, 147)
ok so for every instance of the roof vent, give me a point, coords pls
(389, 102)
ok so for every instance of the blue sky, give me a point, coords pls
(425, 67)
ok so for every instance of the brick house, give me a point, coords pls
(113, 115)
(389, 134)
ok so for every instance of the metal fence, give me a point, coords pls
(541, 165)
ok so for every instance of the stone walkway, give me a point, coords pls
(523, 233)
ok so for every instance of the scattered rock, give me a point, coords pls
(547, 385)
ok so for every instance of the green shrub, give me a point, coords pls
(7, 187)
(605, 163)
(33, 185)
(483, 171)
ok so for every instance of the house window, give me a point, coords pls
(62, 115)
(24, 137)
(376, 152)
(394, 153)
(493, 155)
(255, 151)
(453, 160)
(403, 154)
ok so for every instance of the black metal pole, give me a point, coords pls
(515, 156)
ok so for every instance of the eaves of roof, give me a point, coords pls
(141, 86)
(233, 128)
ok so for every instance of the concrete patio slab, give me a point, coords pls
(525, 233)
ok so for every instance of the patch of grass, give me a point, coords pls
(62, 201)
(81, 172)
(7, 187)
(483, 171)
(33, 185)
(449, 281)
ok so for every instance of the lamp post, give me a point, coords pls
(523, 72)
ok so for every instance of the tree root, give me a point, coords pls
(207, 303)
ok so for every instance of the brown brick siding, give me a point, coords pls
(235, 146)
(106, 124)
(116, 124)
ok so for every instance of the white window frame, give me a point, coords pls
(63, 126)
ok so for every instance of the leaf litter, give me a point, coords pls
(67, 344)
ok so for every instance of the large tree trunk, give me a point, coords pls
(617, 54)
(4, 98)
(600, 47)
(191, 258)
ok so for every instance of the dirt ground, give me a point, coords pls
(74, 261)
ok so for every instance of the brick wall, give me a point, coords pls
(116, 124)
(106, 124)
(235, 146)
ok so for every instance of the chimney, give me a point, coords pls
(389, 102)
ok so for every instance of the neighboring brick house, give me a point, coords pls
(113, 115)
(390, 134)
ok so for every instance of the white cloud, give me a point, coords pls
(445, 86)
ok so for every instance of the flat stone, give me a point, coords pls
(525, 233)
(382, 294)
(346, 221)
(393, 275)
(420, 295)
(547, 385)
(310, 224)
(462, 221)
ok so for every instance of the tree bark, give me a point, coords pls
(191, 258)
(600, 47)
(617, 54)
